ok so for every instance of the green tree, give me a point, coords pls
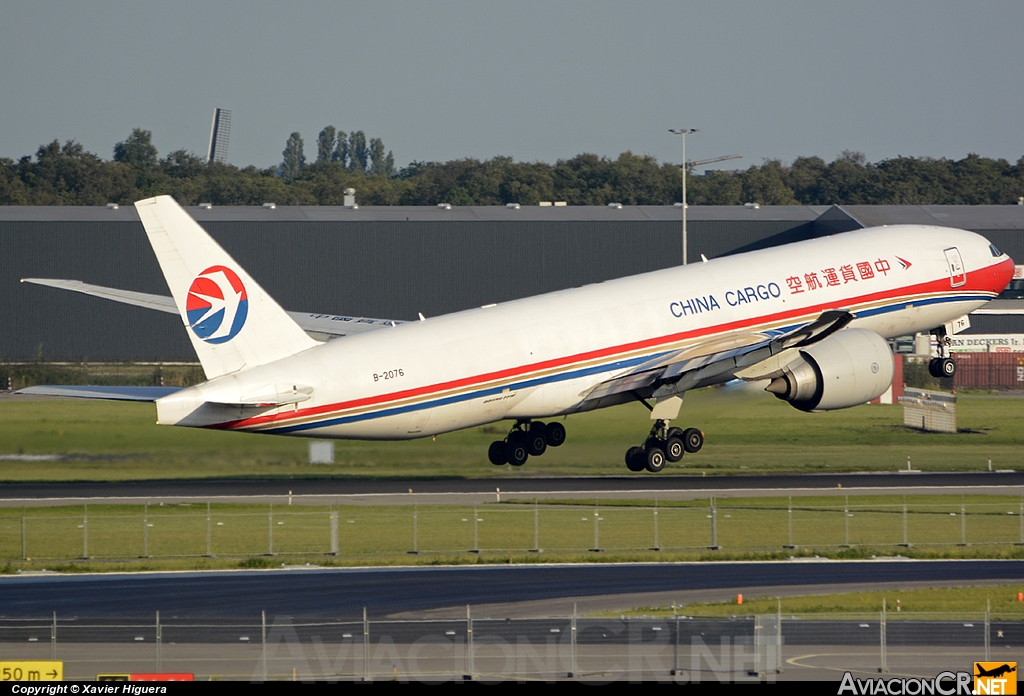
(376, 155)
(358, 152)
(341, 152)
(294, 159)
(12, 188)
(766, 185)
(137, 150)
(325, 144)
(182, 164)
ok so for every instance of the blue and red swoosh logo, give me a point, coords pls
(217, 305)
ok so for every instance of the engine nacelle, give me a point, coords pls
(851, 367)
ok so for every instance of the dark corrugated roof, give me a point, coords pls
(977, 217)
(419, 213)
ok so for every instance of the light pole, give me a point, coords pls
(683, 132)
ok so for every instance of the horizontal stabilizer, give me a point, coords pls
(109, 393)
(320, 327)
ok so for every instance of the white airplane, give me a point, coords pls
(811, 317)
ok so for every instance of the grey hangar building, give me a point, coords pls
(397, 262)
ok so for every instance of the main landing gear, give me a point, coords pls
(663, 445)
(942, 366)
(527, 438)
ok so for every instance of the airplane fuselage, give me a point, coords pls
(540, 356)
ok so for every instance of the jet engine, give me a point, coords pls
(851, 367)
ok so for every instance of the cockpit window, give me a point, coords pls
(994, 250)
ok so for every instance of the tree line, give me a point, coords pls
(67, 174)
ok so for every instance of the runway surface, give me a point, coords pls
(473, 491)
(498, 591)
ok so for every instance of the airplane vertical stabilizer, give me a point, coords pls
(232, 322)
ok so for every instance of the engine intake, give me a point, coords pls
(851, 367)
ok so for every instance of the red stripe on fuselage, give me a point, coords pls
(934, 286)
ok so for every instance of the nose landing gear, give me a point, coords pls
(526, 439)
(942, 366)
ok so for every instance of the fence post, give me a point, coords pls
(263, 645)
(334, 532)
(789, 524)
(846, 522)
(882, 638)
(1020, 519)
(209, 532)
(270, 531)
(414, 511)
(366, 647)
(714, 526)
(469, 646)
(536, 527)
(656, 547)
(145, 530)
(963, 522)
(24, 550)
(905, 542)
(988, 627)
(572, 636)
(53, 638)
(476, 538)
(597, 546)
(778, 636)
(159, 640)
(675, 655)
(85, 532)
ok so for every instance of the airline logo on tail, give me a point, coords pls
(217, 305)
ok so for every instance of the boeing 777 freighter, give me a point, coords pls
(810, 317)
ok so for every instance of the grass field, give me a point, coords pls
(746, 432)
(1001, 601)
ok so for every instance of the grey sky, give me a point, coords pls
(533, 80)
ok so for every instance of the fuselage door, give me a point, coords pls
(957, 274)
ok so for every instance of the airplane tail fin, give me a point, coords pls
(232, 322)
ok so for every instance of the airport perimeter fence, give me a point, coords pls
(765, 647)
(262, 532)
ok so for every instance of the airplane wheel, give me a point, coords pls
(536, 445)
(947, 367)
(496, 453)
(655, 459)
(674, 449)
(933, 368)
(636, 459)
(554, 433)
(674, 432)
(516, 452)
(693, 440)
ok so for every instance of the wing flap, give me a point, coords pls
(677, 371)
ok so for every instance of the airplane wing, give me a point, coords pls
(695, 366)
(110, 393)
(321, 327)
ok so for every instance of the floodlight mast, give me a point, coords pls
(683, 132)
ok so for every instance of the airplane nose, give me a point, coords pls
(1002, 274)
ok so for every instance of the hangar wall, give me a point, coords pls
(387, 262)
(384, 269)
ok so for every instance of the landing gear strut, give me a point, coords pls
(526, 439)
(942, 366)
(663, 445)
